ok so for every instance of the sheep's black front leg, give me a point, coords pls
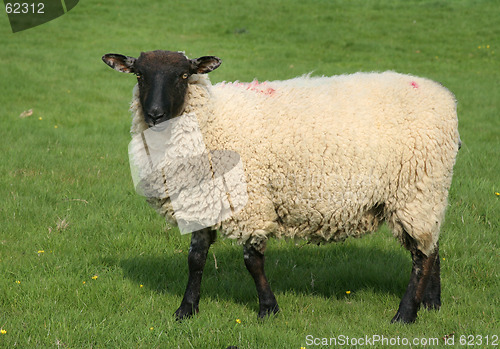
(422, 286)
(254, 261)
(200, 243)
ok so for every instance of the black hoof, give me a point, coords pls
(268, 311)
(185, 312)
(404, 318)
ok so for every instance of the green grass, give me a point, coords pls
(67, 191)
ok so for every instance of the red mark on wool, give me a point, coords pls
(414, 84)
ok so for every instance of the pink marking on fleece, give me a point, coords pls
(255, 85)
(414, 84)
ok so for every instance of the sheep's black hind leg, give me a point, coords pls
(421, 283)
(254, 261)
(197, 256)
(432, 294)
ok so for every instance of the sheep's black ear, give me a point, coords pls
(205, 64)
(120, 63)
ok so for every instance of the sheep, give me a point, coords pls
(324, 158)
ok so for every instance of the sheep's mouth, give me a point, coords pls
(162, 120)
(156, 122)
(159, 127)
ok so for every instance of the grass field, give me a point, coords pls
(86, 263)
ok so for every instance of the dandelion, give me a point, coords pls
(18, 282)
(84, 282)
(151, 328)
(348, 292)
(141, 286)
(444, 259)
(238, 321)
(40, 118)
(497, 194)
(2, 331)
(55, 126)
(94, 277)
(40, 251)
(302, 347)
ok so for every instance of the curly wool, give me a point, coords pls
(326, 158)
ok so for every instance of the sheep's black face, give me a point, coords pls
(163, 80)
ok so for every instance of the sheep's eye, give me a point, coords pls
(185, 75)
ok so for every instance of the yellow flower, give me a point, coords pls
(141, 286)
(40, 251)
(18, 282)
(238, 321)
(444, 259)
(497, 194)
(55, 126)
(348, 292)
(151, 328)
(94, 277)
(302, 347)
(2, 331)
(40, 118)
(84, 282)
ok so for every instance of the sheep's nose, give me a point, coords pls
(156, 114)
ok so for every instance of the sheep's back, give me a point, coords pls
(326, 152)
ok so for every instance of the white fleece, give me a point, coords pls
(329, 157)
